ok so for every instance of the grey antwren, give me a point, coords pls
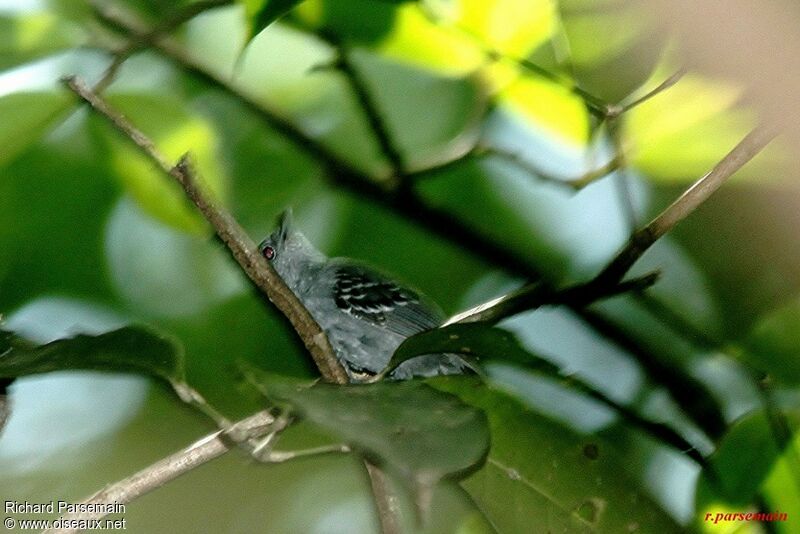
(364, 313)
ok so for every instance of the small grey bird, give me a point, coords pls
(364, 313)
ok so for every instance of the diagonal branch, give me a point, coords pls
(165, 470)
(239, 244)
(260, 272)
(689, 201)
(369, 107)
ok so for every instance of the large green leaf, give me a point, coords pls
(477, 342)
(54, 199)
(541, 477)
(262, 13)
(26, 117)
(27, 36)
(420, 433)
(130, 349)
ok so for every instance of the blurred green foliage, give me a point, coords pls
(486, 103)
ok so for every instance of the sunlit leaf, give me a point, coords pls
(540, 473)
(549, 106)
(130, 349)
(749, 468)
(513, 27)
(175, 132)
(681, 133)
(355, 21)
(749, 442)
(420, 433)
(262, 13)
(782, 486)
(26, 117)
(446, 50)
(28, 36)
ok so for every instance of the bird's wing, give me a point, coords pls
(374, 297)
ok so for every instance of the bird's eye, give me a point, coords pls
(268, 252)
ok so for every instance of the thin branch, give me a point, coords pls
(663, 86)
(144, 40)
(622, 178)
(239, 244)
(519, 161)
(386, 500)
(689, 201)
(167, 469)
(484, 151)
(536, 295)
(593, 175)
(370, 109)
(689, 393)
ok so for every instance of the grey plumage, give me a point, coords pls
(364, 313)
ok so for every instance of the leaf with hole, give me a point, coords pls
(540, 476)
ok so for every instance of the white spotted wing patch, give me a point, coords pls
(371, 297)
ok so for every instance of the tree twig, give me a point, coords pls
(689, 201)
(239, 244)
(145, 39)
(536, 295)
(169, 468)
(386, 500)
(369, 106)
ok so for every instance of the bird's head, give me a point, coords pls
(288, 250)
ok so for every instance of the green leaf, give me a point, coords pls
(262, 13)
(175, 131)
(422, 434)
(481, 342)
(30, 35)
(472, 340)
(135, 349)
(539, 473)
(26, 118)
(740, 464)
(54, 200)
(359, 21)
(620, 37)
(773, 345)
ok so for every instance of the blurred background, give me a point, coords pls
(534, 136)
